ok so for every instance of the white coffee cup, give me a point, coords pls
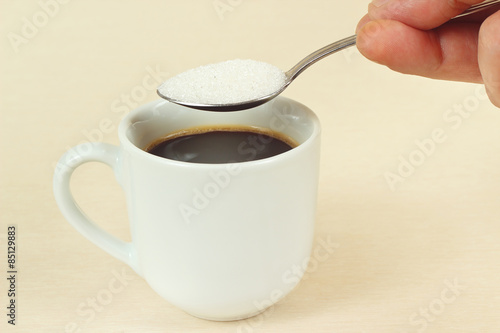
(216, 240)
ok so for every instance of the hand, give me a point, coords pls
(415, 37)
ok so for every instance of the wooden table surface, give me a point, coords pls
(409, 196)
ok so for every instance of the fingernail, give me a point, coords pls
(379, 3)
(362, 22)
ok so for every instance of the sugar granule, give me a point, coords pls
(231, 81)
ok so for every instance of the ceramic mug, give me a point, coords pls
(215, 240)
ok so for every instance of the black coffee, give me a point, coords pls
(221, 145)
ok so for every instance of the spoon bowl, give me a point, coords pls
(228, 106)
(290, 75)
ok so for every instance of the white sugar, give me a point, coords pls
(230, 81)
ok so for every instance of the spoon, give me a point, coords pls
(291, 74)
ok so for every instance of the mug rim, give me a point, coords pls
(126, 123)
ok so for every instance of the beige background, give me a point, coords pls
(420, 253)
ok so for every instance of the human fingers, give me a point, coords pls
(364, 20)
(420, 14)
(489, 56)
(448, 52)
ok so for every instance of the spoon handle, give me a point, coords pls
(318, 55)
(350, 41)
(478, 7)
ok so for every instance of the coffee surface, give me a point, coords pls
(221, 145)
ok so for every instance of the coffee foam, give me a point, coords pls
(223, 128)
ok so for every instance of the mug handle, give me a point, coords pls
(72, 159)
